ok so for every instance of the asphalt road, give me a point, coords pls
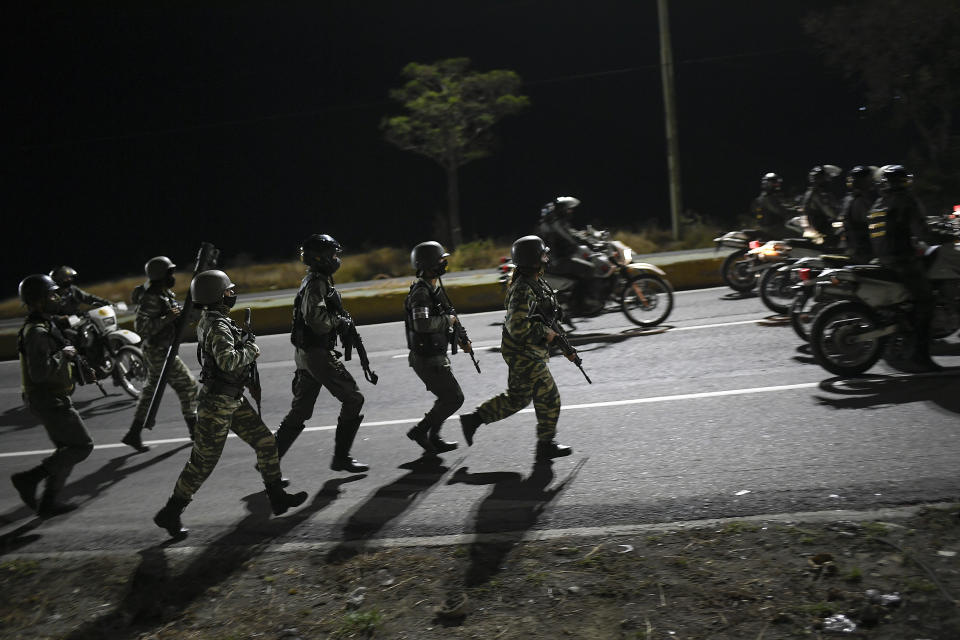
(718, 414)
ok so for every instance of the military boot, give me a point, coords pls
(169, 517)
(346, 431)
(280, 500)
(439, 444)
(26, 483)
(470, 422)
(191, 421)
(548, 449)
(134, 439)
(50, 506)
(420, 435)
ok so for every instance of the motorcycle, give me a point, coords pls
(109, 351)
(639, 289)
(739, 268)
(869, 316)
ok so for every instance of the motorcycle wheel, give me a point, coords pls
(646, 300)
(831, 333)
(131, 370)
(803, 311)
(734, 272)
(775, 289)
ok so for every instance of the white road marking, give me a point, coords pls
(570, 407)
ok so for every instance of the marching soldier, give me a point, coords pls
(72, 296)
(525, 348)
(46, 362)
(428, 324)
(156, 322)
(226, 355)
(316, 322)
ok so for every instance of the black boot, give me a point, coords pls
(280, 500)
(346, 432)
(439, 444)
(470, 422)
(419, 435)
(50, 506)
(26, 483)
(548, 449)
(169, 517)
(191, 421)
(134, 439)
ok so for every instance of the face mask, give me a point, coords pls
(170, 281)
(51, 304)
(229, 301)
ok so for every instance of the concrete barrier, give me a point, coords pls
(377, 303)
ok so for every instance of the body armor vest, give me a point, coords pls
(216, 379)
(424, 344)
(301, 335)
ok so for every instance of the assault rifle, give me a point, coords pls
(458, 335)
(86, 373)
(550, 319)
(206, 260)
(253, 379)
(349, 337)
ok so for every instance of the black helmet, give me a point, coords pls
(529, 251)
(894, 177)
(36, 287)
(208, 287)
(64, 275)
(823, 173)
(771, 182)
(429, 256)
(860, 178)
(561, 206)
(157, 268)
(321, 252)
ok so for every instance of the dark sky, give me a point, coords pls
(138, 129)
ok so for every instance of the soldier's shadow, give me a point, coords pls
(386, 504)
(17, 418)
(86, 489)
(879, 391)
(104, 405)
(156, 592)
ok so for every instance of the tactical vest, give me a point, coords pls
(165, 336)
(301, 335)
(424, 344)
(217, 380)
(547, 305)
(28, 385)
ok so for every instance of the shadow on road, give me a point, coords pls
(386, 504)
(158, 593)
(104, 405)
(17, 418)
(880, 391)
(740, 295)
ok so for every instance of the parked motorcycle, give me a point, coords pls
(870, 315)
(111, 352)
(639, 289)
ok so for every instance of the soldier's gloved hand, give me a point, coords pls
(452, 320)
(344, 323)
(551, 334)
(69, 352)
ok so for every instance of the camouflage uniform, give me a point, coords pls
(318, 366)
(47, 383)
(427, 325)
(524, 349)
(221, 406)
(156, 323)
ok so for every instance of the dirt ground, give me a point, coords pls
(740, 580)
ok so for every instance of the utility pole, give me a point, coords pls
(669, 107)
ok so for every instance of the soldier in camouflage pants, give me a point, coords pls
(524, 347)
(156, 322)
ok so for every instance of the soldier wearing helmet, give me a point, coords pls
(768, 211)
(47, 368)
(316, 320)
(72, 296)
(819, 205)
(428, 323)
(557, 231)
(157, 323)
(861, 193)
(226, 354)
(525, 347)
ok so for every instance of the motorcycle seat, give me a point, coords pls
(804, 243)
(834, 260)
(875, 272)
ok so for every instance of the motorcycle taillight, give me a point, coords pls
(503, 259)
(755, 244)
(805, 274)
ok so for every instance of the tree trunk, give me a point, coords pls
(453, 207)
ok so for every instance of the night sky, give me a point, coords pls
(138, 129)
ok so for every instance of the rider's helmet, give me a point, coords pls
(321, 252)
(823, 173)
(560, 208)
(529, 251)
(894, 177)
(771, 183)
(429, 256)
(860, 179)
(210, 287)
(64, 275)
(158, 268)
(36, 287)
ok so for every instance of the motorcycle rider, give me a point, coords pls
(525, 347)
(226, 354)
(156, 322)
(897, 227)
(428, 323)
(768, 210)
(861, 195)
(819, 204)
(559, 234)
(72, 296)
(46, 371)
(316, 321)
